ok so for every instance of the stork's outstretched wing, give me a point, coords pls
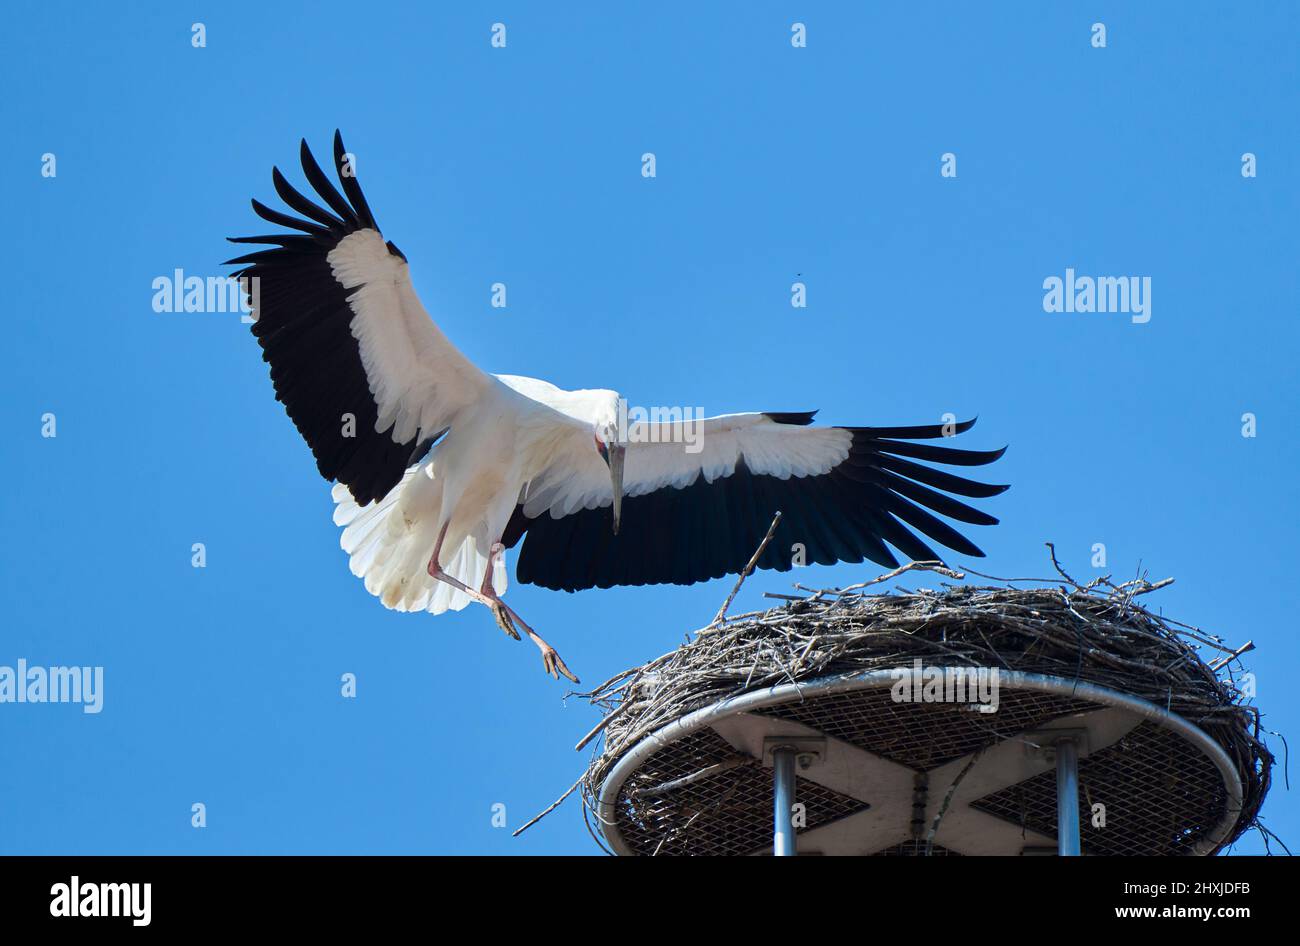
(365, 375)
(844, 493)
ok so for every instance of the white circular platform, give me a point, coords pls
(875, 773)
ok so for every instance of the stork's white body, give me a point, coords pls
(469, 483)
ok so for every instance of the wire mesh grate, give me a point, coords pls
(914, 848)
(698, 796)
(1160, 795)
(923, 736)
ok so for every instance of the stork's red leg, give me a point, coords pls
(506, 616)
(490, 596)
(551, 660)
(436, 572)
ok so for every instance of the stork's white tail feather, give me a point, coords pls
(389, 543)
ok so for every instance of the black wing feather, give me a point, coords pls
(304, 328)
(351, 187)
(321, 184)
(849, 513)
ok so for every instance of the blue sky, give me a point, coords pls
(522, 165)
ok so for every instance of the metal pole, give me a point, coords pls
(783, 802)
(1067, 798)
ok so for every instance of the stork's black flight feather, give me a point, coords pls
(875, 498)
(303, 323)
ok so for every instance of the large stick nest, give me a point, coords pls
(1096, 633)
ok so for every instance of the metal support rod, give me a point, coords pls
(783, 802)
(1067, 798)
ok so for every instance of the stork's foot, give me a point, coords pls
(506, 617)
(553, 663)
(503, 619)
(551, 660)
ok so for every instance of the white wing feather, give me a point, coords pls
(419, 379)
(675, 455)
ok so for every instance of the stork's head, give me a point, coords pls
(611, 444)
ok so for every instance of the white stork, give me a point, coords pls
(439, 466)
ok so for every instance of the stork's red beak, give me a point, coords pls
(614, 459)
